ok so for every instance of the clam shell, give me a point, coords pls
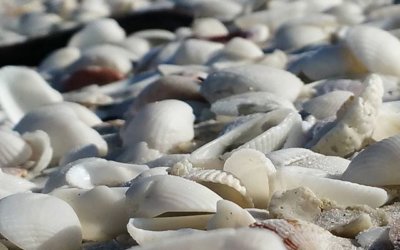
(376, 165)
(163, 125)
(10, 184)
(252, 168)
(42, 151)
(247, 78)
(366, 44)
(292, 36)
(39, 221)
(208, 27)
(247, 103)
(238, 49)
(160, 194)
(139, 153)
(105, 222)
(229, 215)
(17, 98)
(195, 51)
(14, 151)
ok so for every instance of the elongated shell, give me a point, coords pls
(109, 217)
(163, 125)
(229, 215)
(13, 150)
(17, 97)
(241, 79)
(365, 43)
(39, 221)
(376, 165)
(156, 195)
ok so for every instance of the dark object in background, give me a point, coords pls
(33, 51)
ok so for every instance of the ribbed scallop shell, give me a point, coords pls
(39, 221)
(163, 125)
(161, 194)
(366, 44)
(248, 103)
(377, 165)
(241, 79)
(14, 151)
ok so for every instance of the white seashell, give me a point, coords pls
(84, 114)
(301, 157)
(229, 215)
(252, 168)
(195, 51)
(155, 36)
(325, 106)
(160, 194)
(17, 98)
(239, 48)
(98, 32)
(258, 33)
(14, 151)
(221, 239)
(109, 217)
(42, 151)
(10, 184)
(144, 236)
(294, 36)
(39, 221)
(247, 103)
(37, 24)
(354, 124)
(247, 78)
(389, 112)
(62, 7)
(86, 151)
(343, 192)
(75, 133)
(90, 172)
(328, 85)
(136, 45)
(348, 13)
(376, 165)
(224, 10)
(163, 125)
(277, 59)
(139, 153)
(167, 160)
(366, 45)
(208, 27)
(59, 60)
(298, 204)
(170, 223)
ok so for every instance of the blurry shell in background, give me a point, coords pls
(163, 125)
(39, 221)
(42, 152)
(195, 51)
(390, 113)
(98, 32)
(241, 79)
(10, 184)
(208, 27)
(14, 150)
(59, 59)
(22, 90)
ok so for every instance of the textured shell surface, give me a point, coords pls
(39, 221)
(18, 98)
(14, 151)
(163, 125)
(42, 151)
(241, 79)
(110, 207)
(376, 165)
(159, 194)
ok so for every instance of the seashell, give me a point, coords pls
(303, 235)
(14, 151)
(365, 44)
(61, 7)
(343, 192)
(136, 45)
(90, 172)
(183, 70)
(90, 10)
(221, 239)
(376, 165)
(258, 33)
(351, 230)
(295, 204)
(247, 78)
(208, 27)
(167, 160)
(195, 51)
(37, 24)
(155, 36)
(17, 98)
(347, 13)
(143, 236)
(221, 182)
(248, 103)
(139, 153)
(84, 114)
(383, 12)
(389, 112)
(172, 194)
(106, 221)
(97, 32)
(88, 97)
(163, 125)
(374, 238)
(169, 87)
(10, 184)
(354, 123)
(301, 157)
(328, 85)
(39, 221)
(223, 10)
(252, 168)
(229, 215)
(169, 223)
(297, 36)
(58, 60)
(42, 151)
(75, 154)
(53, 120)
(277, 59)
(325, 106)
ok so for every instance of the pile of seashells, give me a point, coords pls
(265, 125)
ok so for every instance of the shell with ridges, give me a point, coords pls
(14, 151)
